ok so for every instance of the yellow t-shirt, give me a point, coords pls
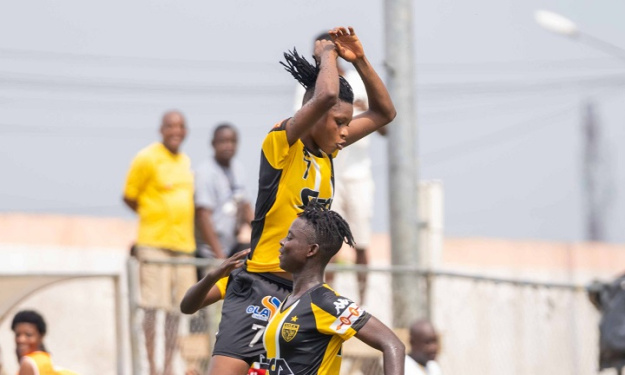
(43, 363)
(162, 185)
(290, 177)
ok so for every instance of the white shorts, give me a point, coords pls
(353, 200)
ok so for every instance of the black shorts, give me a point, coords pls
(250, 301)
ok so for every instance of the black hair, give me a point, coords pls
(323, 36)
(224, 125)
(330, 229)
(306, 74)
(32, 317)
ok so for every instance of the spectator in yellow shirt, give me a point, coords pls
(159, 188)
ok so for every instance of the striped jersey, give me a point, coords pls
(305, 338)
(289, 177)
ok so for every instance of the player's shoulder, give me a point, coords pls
(276, 138)
(279, 126)
(329, 300)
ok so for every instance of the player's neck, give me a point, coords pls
(304, 282)
(311, 145)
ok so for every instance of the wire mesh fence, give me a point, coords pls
(487, 325)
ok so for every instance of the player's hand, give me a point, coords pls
(232, 263)
(347, 43)
(323, 46)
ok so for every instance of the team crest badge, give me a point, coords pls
(289, 330)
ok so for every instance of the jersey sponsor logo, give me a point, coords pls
(271, 303)
(289, 330)
(307, 195)
(340, 304)
(276, 366)
(349, 316)
(269, 306)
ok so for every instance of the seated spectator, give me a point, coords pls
(30, 329)
(424, 347)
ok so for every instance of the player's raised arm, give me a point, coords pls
(205, 292)
(381, 110)
(322, 92)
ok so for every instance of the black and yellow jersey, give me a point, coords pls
(306, 337)
(289, 177)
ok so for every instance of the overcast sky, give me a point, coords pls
(500, 101)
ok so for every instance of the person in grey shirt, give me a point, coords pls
(221, 203)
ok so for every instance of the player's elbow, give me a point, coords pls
(384, 114)
(326, 98)
(394, 347)
(390, 114)
(186, 307)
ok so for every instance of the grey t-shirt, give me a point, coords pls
(219, 189)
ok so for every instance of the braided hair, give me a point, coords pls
(306, 74)
(330, 229)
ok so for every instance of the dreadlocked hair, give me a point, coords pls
(331, 230)
(306, 74)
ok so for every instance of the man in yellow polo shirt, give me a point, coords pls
(159, 188)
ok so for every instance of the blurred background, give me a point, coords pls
(519, 126)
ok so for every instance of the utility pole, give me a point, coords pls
(596, 189)
(403, 164)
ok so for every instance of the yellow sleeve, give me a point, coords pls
(344, 322)
(221, 285)
(276, 146)
(139, 173)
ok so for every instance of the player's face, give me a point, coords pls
(331, 132)
(27, 339)
(225, 145)
(173, 131)
(295, 247)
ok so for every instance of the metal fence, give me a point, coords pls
(487, 325)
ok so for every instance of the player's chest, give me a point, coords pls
(306, 168)
(297, 330)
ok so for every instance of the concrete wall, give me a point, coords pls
(82, 315)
